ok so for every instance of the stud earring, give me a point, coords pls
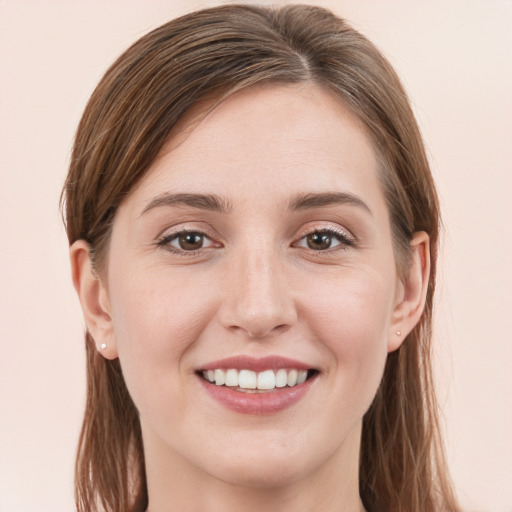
(398, 333)
(103, 346)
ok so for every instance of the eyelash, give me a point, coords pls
(345, 241)
(165, 242)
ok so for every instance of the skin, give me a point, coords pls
(255, 288)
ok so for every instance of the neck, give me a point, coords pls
(175, 484)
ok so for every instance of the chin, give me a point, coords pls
(261, 474)
(264, 464)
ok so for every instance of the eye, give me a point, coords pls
(186, 241)
(189, 241)
(320, 241)
(325, 239)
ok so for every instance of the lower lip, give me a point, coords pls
(269, 402)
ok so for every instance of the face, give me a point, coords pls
(258, 242)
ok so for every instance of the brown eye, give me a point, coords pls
(190, 241)
(319, 241)
(325, 240)
(186, 242)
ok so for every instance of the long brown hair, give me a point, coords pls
(208, 55)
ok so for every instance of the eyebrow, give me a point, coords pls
(216, 203)
(201, 201)
(306, 201)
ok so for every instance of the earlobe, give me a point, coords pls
(413, 292)
(93, 297)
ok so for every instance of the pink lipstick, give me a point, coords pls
(257, 385)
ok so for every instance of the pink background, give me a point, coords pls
(456, 61)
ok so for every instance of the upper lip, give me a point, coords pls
(241, 362)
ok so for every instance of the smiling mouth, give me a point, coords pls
(248, 381)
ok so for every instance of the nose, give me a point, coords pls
(257, 300)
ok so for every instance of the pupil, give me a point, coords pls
(319, 241)
(191, 241)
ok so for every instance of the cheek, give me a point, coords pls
(354, 309)
(157, 319)
(351, 319)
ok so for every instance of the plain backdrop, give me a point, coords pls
(455, 58)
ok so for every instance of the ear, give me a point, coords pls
(93, 297)
(412, 292)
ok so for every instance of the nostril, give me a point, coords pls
(258, 328)
(262, 331)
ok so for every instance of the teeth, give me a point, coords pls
(292, 378)
(232, 378)
(281, 378)
(266, 380)
(219, 377)
(247, 379)
(303, 374)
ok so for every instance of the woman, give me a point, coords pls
(253, 230)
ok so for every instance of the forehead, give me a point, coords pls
(287, 137)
